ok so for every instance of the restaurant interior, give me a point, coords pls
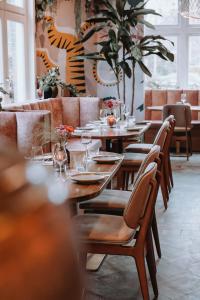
(99, 149)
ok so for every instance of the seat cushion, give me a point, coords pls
(133, 159)
(108, 200)
(139, 148)
(104, 229)
(56, 109)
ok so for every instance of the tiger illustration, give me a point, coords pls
(75, 72)
(44, 55)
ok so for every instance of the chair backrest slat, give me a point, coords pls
(136, 207)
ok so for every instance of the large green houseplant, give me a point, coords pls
(123, 48)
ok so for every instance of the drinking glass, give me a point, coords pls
(60, 157)
(37, 153)
(131, 121)
(86, 139)
(126, 113)
(102, 115)
(183, 98)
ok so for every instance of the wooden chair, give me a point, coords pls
(132, 162)
(167, 169)
(127, 235)
(182, 130)
(113, 202)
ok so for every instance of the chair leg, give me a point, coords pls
(190, 142)
(140, 264)
(150, 258)
(187, 147)
(164, 191)
(166, 172)
(170, 171)
(156, 235)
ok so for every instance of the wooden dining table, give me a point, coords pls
(160, 108)
(82, 192)
(119, 133)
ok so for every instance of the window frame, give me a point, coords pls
(182, 31)
(26, 16)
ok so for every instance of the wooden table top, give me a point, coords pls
(116, 133)
(160, 108)
(80, 192)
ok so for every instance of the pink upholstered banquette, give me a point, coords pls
(162, 97)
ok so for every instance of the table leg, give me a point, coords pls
(120, 145)
(108, 145)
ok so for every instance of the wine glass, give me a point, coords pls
(86, 139)
(183, 98)
(102, 115)
(126, 113)
(60, 157)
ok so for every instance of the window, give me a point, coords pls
(16, 48)
(185, 33)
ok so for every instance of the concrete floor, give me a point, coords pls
(179, 227)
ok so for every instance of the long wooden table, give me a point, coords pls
(120, 134)
(160, 108)
(80, 192)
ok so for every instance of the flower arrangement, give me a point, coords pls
(63, 132)
(111, 103)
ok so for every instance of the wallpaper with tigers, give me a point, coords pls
(57, 44)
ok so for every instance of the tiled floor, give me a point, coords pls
(179, 227)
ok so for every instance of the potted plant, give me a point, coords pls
(49, 83)
(122, 48)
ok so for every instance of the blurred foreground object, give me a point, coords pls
(38, 255)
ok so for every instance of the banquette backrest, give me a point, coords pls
(74, 111)
(162, 97)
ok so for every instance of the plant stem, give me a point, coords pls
(133, 88)
(124, 79)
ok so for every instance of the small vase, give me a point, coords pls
(111, 120)
(47, 92)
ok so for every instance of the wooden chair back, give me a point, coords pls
(181, 113)
(152, 156)
(142, 193)
(161, 135)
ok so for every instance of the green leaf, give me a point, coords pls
(120, 7)
(125, 67)
(147, 24)
(144, 68)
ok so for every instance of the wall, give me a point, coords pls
(103, 86)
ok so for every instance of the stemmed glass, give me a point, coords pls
(127, 114)
(86, 139)
(102, 115)
(60, 157)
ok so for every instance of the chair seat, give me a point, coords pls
(108, 200)
(101, 228)
(139, 148)
(133, 159)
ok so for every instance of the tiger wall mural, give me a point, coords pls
(75, 68)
